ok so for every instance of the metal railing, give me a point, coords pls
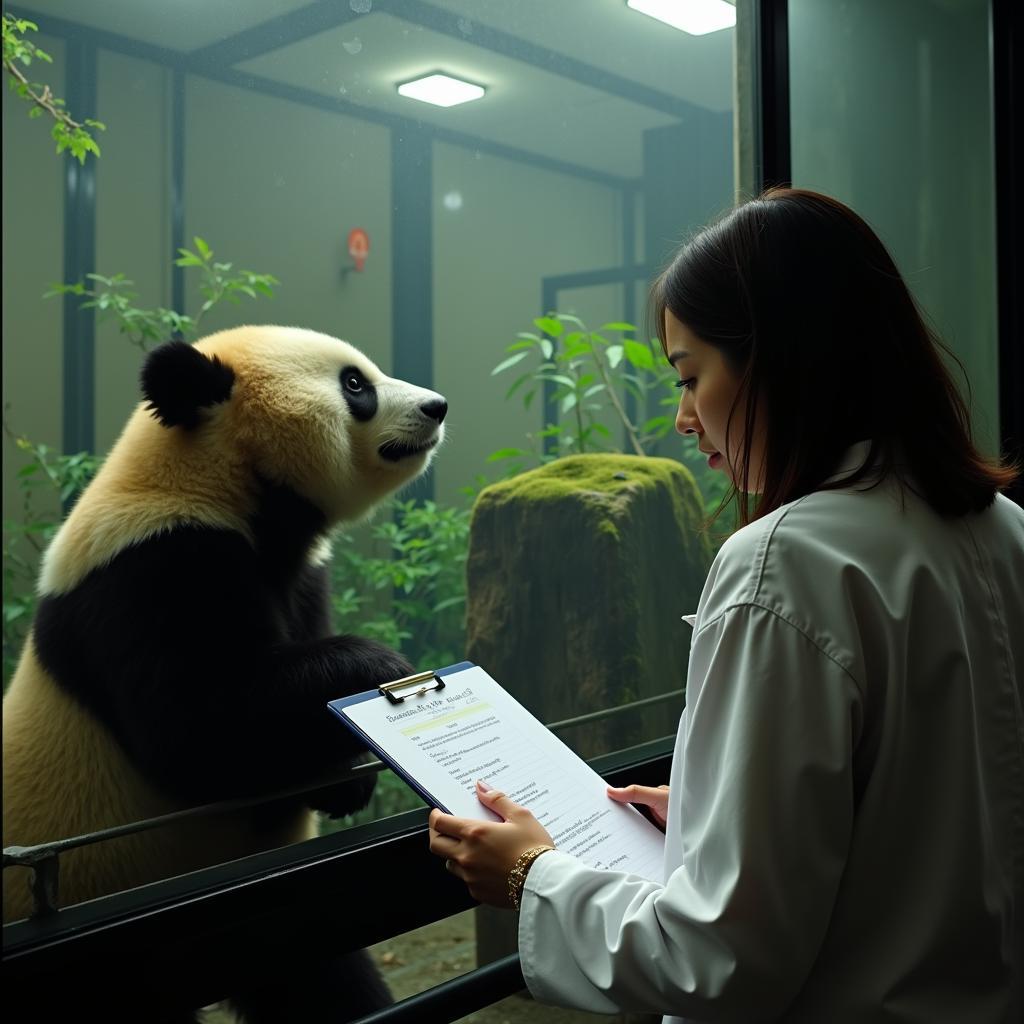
(225, 928)
(456, 997)
(43, 858)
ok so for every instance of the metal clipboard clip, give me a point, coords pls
(418, 680)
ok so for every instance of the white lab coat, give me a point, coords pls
(845, 837)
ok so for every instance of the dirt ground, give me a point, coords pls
(430, 955)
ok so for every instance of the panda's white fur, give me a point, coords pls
(262, 454)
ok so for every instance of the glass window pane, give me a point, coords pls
(890, 107)
(272, 133)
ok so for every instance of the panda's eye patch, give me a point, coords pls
(360, 395)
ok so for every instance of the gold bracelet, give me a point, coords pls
(521, 868)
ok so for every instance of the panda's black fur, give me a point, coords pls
(181, 653)
(229, 652)
(178, 382)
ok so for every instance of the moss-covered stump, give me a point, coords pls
(578, 573)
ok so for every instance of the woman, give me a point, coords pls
(845, 819)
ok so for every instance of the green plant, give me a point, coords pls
(587, 371)
(50, 477)
(67, 133)
(410, 592)
(113, 298)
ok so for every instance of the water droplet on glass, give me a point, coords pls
(353, 46)
(343, 90)
(452, 200)
(361, 6)
(465, 26)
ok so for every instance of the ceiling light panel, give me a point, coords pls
(698, 17)
(441, 90)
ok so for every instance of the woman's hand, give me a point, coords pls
(482, 853)
(655, 799)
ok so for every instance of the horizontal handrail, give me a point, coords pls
(227, 927)
(26, 856)
(30, 856)
(454, 999)
(633, 705)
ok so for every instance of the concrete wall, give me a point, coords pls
(516, 225)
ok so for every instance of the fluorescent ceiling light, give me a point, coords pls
(698, 17)
(441, 90)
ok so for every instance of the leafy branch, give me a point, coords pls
(114, 297)
(581, 364)
(26, 538)
(66, 132)
(218, 283)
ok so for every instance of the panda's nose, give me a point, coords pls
(436, 409)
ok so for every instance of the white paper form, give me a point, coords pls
(473, 729)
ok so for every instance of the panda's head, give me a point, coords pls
(297, 408)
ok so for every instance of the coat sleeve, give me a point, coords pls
(760, 817)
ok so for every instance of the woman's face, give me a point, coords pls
(709, 388)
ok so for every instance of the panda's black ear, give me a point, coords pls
(178, 381)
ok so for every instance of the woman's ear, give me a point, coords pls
(178, 381)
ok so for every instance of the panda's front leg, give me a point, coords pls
(360, 664)
(309, 620)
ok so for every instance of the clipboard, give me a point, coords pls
(395, 693)
(439, 732)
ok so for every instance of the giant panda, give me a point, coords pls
(181, 652)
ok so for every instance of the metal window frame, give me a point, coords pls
(1006, 28)
(412, 269)
(79, 348)
(771, 25)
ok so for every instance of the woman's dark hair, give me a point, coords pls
(808, 308)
